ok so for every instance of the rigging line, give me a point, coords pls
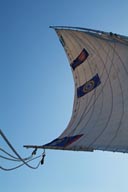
(9, 144)
(10, 159)
(15, 158)
(8, 153)
(13, 168)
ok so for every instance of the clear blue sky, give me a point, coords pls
(36, 94)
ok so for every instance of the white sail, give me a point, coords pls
(99, 63)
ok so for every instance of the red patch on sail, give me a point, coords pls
(64, 142)
(80, 59)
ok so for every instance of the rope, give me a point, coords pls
(13, 168)
(15, 158)
(7, 153)
(23, 160)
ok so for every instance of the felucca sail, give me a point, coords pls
(99, 63)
